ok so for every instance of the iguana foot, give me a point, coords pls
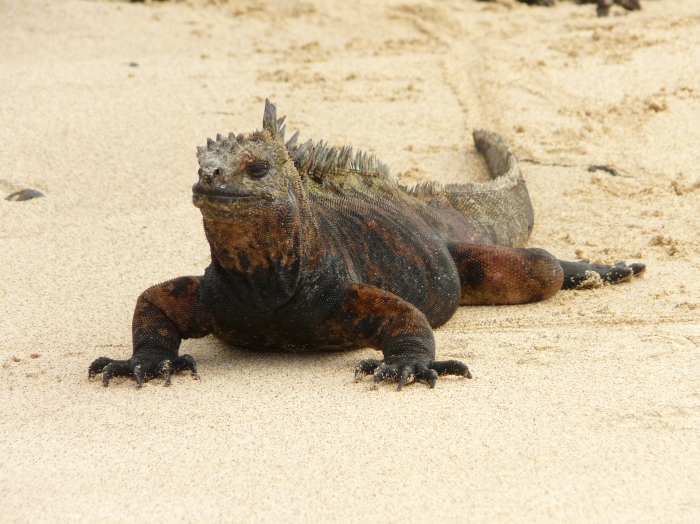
(141, 369)
(401, 370)
(583, 275)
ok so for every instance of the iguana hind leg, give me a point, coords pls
(491, 275)
(503, 275)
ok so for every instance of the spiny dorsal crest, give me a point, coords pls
(221, 144)
(426, 189)
(319, 160)
(271, 122)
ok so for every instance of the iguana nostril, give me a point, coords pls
(217, 172)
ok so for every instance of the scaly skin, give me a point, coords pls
(314, 248)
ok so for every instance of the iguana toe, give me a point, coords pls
(165, 368)
(366, 367)
(451, 367)
(385, 371)
(637, 268)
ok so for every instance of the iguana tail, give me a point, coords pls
(501, 208)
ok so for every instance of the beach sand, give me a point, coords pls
(583, 408)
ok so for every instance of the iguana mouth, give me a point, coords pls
(222, 198)
(219, 194)
(219, 198)
(225, 199)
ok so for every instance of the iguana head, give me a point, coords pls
(240, 175)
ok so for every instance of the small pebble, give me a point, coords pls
(25, 194)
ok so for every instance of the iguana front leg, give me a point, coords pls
(164, 315)
(370, 316)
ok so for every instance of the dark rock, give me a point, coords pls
(25, 194)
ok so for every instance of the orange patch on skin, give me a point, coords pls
(388, 315)
(171, 306)
(246, 160)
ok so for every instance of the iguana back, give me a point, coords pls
(496, 212)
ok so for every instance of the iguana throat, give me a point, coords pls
(260, 252)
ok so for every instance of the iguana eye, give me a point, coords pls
(258, 169)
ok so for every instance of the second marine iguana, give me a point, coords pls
(314, 247)
(603, 6)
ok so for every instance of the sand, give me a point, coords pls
(583, 408)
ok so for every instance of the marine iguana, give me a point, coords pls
(314, 247)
